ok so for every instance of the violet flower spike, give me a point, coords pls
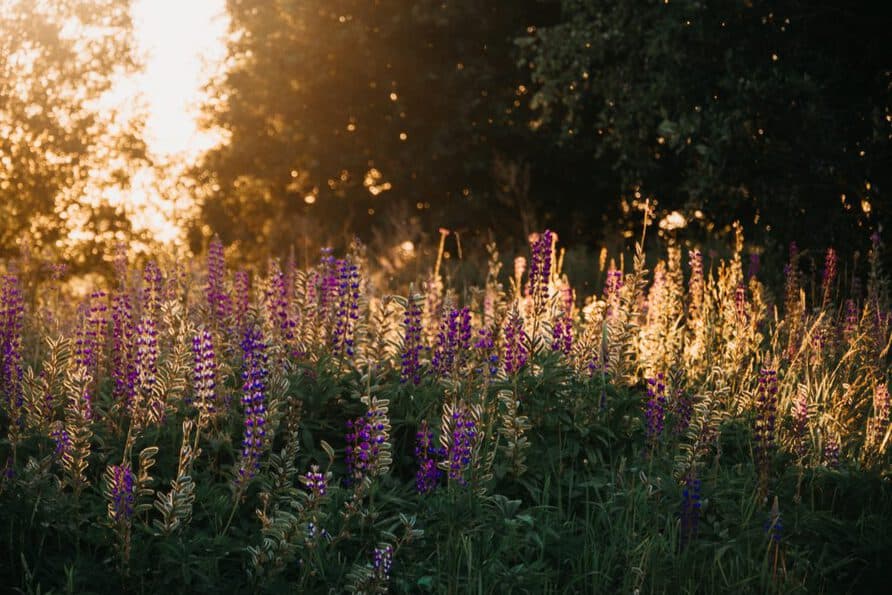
(540, 268)
(347, 309)
(366, 439)
(218, 298)
(453, 341)
(204, 375)
(382, 562)
(12, 317)
(278, 301)
(515, 344)
(828, 277)
(122, 361)
(122, 493)
(487, 346)
(655, 410)
(146, 366)
(461, 445)
(242, 285)
(254, 401)
(410, 366)
(315, 482)
(427, 478)
(562, 336)
(690, 510)
(830, 456)
(766, 416)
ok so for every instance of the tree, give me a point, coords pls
(341, 112)
(59, 150)
(769, 112)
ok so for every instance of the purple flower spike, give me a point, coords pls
(831, 266)
(690, 510)
(486, 345)
(315, 483)
(346, 310)
(367, 441)
(204, 374)
(12, 318)
(122, 493)
(278, 304)
(562, 336)
(410, 366)
(382, 563)
(253, 399)
(90, 338)
(453, 341)
(515, 344)
(62, 439)
(461, 444)
(242, 285)
(830, 456)
(123, 365)
(541, 248)
(219, 300)
(146, 366)
(655, 410)
(427, 478)
(766, 416)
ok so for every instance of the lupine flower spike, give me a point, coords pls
(515, 344)
(410, 365)
(254, 402)
(428, 456)
(766, 416)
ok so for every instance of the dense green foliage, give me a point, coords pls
(376, 110)
(550, 112)
(743, 110)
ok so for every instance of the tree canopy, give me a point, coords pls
(504, 114)
(58, 146)
(340, 112)
(772, 112)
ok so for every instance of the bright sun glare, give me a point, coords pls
(181, 44)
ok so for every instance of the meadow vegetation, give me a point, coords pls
(688, 428)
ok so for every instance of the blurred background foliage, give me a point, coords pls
(60, 151)
(387, 119)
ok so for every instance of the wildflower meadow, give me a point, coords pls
(187, 426)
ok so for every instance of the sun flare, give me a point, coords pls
(180, 44)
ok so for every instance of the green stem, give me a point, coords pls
(235, 502)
